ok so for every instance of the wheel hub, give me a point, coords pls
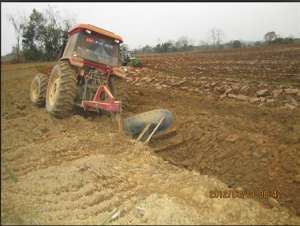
(53, 91)
(34, 90)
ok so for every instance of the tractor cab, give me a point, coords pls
(87, 75)
(90, 45)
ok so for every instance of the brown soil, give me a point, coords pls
(255, 146)
(78, 170)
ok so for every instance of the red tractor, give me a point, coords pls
(84, 76)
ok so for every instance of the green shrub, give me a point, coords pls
(135, 63)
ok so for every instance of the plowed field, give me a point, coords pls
(236, 127)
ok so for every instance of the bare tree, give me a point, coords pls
(212, 36)
(17, 23)
(56, 31)
(182, 42)
(216, 35)
(270, 36)
(220, 36)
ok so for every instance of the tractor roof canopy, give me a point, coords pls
(95, 29)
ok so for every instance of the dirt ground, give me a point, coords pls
(236, 128)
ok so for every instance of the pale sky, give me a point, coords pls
(150, 23)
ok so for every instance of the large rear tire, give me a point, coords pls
(38, 90)
(61, 90)
(119, 89)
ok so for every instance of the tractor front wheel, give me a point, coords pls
(61, 90)
(38, 90)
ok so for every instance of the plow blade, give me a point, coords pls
(153, 121)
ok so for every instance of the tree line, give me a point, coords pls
(215, 42)
(40, 36)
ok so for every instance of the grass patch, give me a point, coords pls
(10, 173)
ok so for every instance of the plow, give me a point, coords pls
(86, 75)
